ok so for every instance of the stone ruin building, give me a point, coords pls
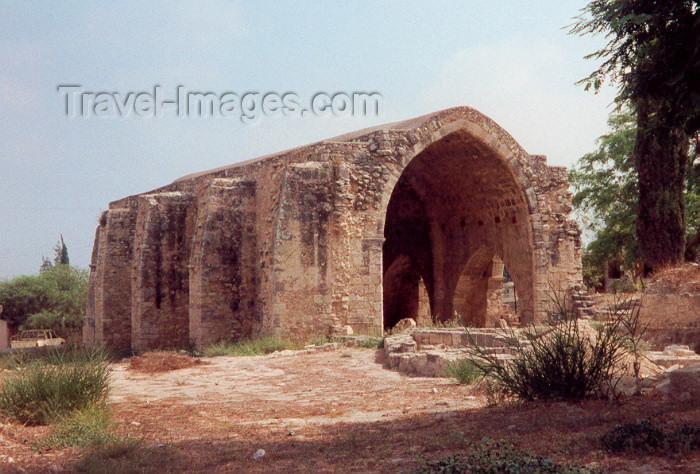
(410, 219)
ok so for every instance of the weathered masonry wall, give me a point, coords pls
(223, 264)
(411, 219)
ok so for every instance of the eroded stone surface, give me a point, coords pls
(413, 219)
(673, 355)
(685, 382)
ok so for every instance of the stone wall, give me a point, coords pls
(670, 306)
(314, 237)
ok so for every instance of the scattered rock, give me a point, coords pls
(404, 325)
(626, 386)
(679, 350)
(399, 344)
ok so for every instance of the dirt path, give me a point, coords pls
(344, 385)
(338, 411)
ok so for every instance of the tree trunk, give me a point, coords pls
(661, 157)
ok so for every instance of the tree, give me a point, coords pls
(653, 55)
(60, 253)
(606, 192)
(53, 299)
(605, 184)
(692, 210)
(46, 264)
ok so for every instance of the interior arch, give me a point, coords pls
(455, 207)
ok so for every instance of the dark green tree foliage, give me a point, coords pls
(692, 209)
(605, 184)
(606, 191)
(653, 55)
(53, 299)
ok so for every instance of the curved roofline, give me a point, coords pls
(445, 116)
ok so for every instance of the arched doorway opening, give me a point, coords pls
(456, 216)
(405, 294)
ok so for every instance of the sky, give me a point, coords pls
(512, 60)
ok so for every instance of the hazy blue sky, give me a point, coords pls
(512, 60)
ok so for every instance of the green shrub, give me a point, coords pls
(685, 438)
(645, 437)
(248, 347)
(39, 394)
(68, 325)
(84, 428)
(370, 343)
(498, 456)
(636, 436)
(465, 370)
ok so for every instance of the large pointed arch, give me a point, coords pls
(464, 187)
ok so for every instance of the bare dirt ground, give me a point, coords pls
(338, 411)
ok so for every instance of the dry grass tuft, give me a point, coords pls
(162, 361)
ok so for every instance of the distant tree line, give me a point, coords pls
(53, 299)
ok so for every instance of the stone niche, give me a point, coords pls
(410, 219)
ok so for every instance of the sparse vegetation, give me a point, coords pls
(645, 437)
(465, 370)
(40, 394)
(55, 356)
(268, 344)
(362, 342)
(83, 428)
(498, 456)
(127, 456)
(248, 347)
(628, 311)
(559, 361)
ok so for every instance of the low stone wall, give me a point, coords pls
(403, 355)
(671, 305)
(459, 337)
(428, 352)
(673, 319)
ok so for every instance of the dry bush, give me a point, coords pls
(563, 360)
(162, 361)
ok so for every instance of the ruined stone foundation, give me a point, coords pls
(411, 219)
